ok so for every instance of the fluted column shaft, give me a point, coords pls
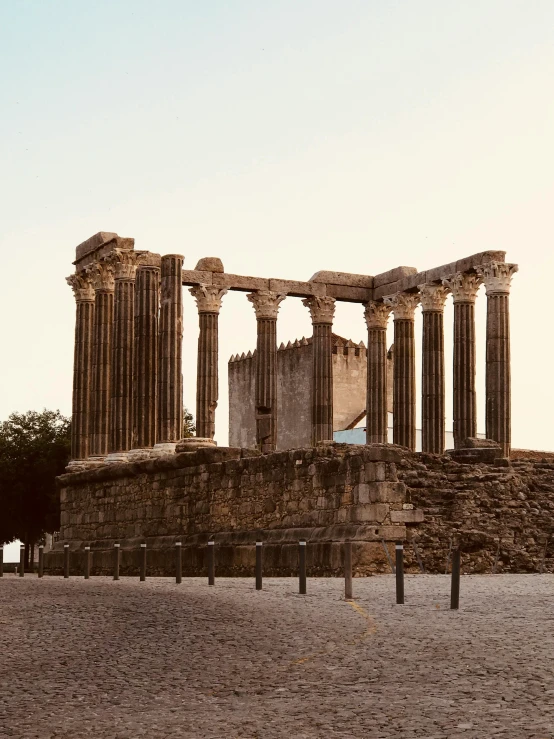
(433, 411)
(432, 428)
(266, 305)
(376, 315)
(170, 375)
(497, 279)
(464, 289)
(145, 357)
(208, 300)
(465, 397)
(101, 358)
(322, 310)
(82, 365)
(121, 407)
(404, 389)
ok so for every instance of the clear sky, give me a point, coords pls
(284, 137)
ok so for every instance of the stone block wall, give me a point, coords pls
(325, 495)
(501, 513)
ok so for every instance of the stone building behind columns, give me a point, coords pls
(294, 391)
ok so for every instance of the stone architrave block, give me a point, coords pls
(380, 492)
(413, 516)
(377, 512)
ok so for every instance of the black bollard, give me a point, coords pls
(87, 563)
(399, 573)
(455, 588)
(259, 555)
(178, 562)
(211, 563)
(21, 560)
(1, 561)
(40, 560)
(348, 570)
(66, 561)
(142, 562)
(302, 567)
(116, 549)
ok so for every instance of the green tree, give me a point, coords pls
(34, 450)
(189, 427)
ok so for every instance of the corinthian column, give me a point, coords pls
(322, 310)
(433, 298)
(103, 281)
(145, 361)
(497, 277)
(376, 316)
(266, 305)
(464, 288)
(170, 375)
(208, 300)
(121, 401)
(404, 391)
(82, 367)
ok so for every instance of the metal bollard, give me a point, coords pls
(399, 573)
(116, 550)
(40, 560)
(302, 567)
(348, 570)
(21, 560)
(455, 588)
(259, 555)
(142, 562)
(211, 563)
(178, 562)
(66, 561)
(87, 563)
(1, 561)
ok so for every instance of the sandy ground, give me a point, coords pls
(125, 659)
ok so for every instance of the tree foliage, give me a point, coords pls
(34, 449)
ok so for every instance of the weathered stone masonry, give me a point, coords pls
(325, 495)
(128, 481)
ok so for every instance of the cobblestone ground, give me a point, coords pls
(103, 659)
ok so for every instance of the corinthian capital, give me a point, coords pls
(464, 286)
(81, 285)
(322, 309)
(376, 314)
(433, 297)
(266, 303)
(102, 274)
(125, 264)
(208, 297)
(497, 276)
(403, 305)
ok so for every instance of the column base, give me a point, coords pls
(117, 458)
(165, 447)
(77, 465)
(193, 443)
(92, 462)
(138, 455)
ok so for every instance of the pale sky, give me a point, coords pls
(286, 138)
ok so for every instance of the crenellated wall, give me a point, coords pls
(294, 392)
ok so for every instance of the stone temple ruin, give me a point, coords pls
(133, 479)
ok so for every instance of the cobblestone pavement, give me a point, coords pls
(106, 659)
